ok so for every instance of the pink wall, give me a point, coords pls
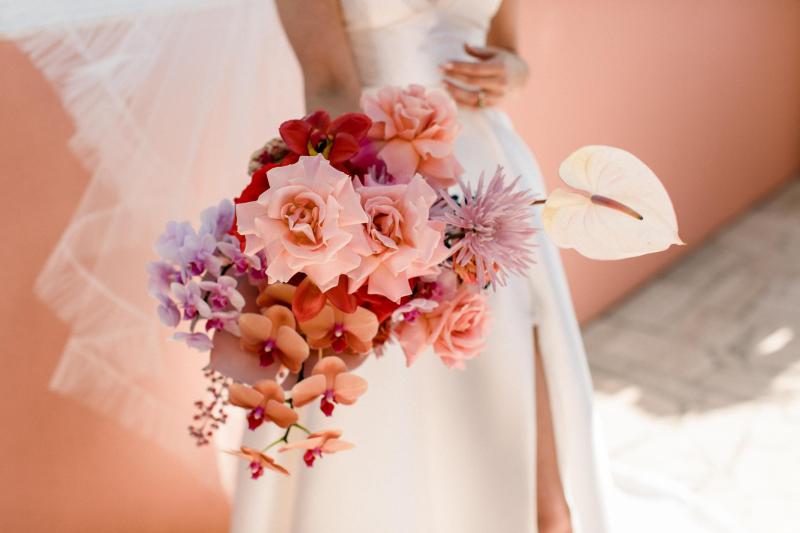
(707, 92)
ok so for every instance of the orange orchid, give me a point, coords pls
(332, 328)
(276, 293)
(266, 401)
(316, 444)
(259, 461)
(271, 335)
(331, 380)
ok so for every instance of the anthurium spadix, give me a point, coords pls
(616, 207)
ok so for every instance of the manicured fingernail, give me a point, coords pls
(446, 66)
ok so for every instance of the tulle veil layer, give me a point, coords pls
(169, 98)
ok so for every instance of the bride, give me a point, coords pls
(510, 444)
(471, 452)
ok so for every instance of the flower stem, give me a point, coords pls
(302, 427)
(276, 442)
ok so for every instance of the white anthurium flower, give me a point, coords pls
(617, 207)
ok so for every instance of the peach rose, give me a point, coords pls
(310, 220)
(458, 327)
(414, 130)
(404, 243)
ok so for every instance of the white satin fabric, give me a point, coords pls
(442, 451)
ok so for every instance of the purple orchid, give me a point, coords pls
(198, 341)
(161, 275)
(190, 298)
(241, 263)
(223, 293)
(217, 220)
(258, 273)
(197, 255)
(224, 320)
(168, 312)
(171, 242)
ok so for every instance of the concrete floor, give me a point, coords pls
(697, 375)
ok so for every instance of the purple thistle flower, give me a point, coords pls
(190, 298)
(222, 293)
(198, 341)
(491, 233)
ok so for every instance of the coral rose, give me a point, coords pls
(458, 327)
(310, 220)
(404, 243)
(414, 130)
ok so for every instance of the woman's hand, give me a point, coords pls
(484, 82)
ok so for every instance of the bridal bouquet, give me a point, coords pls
(346, 239)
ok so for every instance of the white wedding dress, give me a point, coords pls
(438, 451)
(442, 451)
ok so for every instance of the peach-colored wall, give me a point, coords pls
(64, 468)
(706, 91)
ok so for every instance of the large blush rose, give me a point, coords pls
(458, 327)
(310, 220)
(414, 130)
(404, 243)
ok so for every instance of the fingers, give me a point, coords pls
(471, 68)
(495, 84)
(479, 52)
(469, 97)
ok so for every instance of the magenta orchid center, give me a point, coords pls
(326, 403)
(432, 291)
(256, 469)
(267, 353)
(255, 418)
(190, 312)
(196, 267)
(215, 324)
(218, 301)
(412, 315)
(311, 455)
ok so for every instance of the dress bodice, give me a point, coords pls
(397, 42)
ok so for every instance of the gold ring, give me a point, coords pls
(481, 99)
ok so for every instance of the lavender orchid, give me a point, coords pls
(196, 279)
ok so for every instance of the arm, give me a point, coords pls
(498, 68)
(317, 33)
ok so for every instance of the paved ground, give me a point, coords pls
(698, 374)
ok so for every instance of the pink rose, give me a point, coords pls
(404, 243)
(455, 322)
(458, 327)
(310, 220)
(414, 130)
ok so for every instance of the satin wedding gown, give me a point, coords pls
(441, 451)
